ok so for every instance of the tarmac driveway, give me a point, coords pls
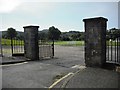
(42, 73)
(68, 56)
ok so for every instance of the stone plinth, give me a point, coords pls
(95, 41)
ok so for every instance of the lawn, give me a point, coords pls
(8, 42)
(82, 43)
(70, 43)
(63, 43)
(112, 43)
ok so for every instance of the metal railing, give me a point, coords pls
(12, 47)
(17, 47)
(113, 48)
(46, 49)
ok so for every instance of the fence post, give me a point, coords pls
(12, 45)
(53, 48)
(95, 41)
(31, 42)
(1, 44)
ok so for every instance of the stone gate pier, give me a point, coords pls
(95, 41)
(31, 42)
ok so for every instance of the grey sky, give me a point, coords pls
(65, 16)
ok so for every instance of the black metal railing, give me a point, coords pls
(113, 46)
(17, 47)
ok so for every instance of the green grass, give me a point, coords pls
(112, 43)
(70, 43)
(62, 43)
(8, 42)
(81, 43)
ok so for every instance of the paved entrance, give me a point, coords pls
(67, 56)
(41, 73)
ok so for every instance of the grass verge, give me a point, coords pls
(8, 42)
(70, 43)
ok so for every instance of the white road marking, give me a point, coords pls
(79, 67)
(55, 83)
(44, 64)
(15, 64)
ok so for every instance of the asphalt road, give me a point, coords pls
(42, 73)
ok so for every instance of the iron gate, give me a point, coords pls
(113, 46)
(12, 47)
(17, 47)
(46, 49)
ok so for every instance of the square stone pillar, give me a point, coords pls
(31, 42)
(95, 41)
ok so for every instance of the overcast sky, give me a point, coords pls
(65, 16)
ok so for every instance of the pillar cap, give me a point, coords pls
(96, 18)
(30, 26)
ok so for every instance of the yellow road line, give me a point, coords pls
(72, 74)
(15, 64)
(80, 69)
(55, 83)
